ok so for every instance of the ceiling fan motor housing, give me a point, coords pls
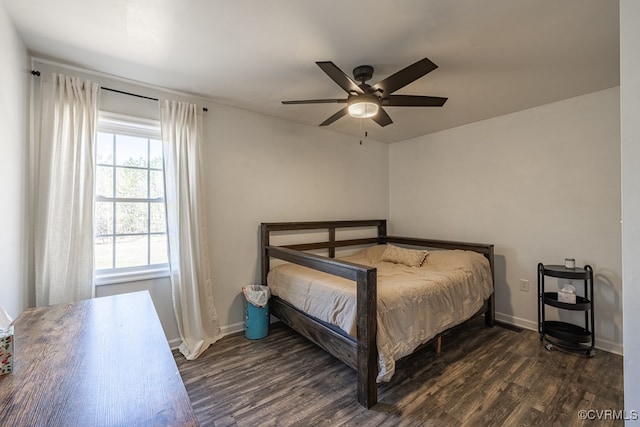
(363, 73)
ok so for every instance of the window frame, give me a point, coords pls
(121, 124)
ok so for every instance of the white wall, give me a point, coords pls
(14, 97)
(262, 169)
(541, 184)
(257, 169)
(630, 132)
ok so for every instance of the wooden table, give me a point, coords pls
(99, 362)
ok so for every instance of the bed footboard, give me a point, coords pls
(366, 352)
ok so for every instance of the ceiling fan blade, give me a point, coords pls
(316, 101)
(382, 118)
(413, 101)
(335, 117)
(338, 76)
(405, 76)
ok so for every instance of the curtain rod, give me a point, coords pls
(37, 74)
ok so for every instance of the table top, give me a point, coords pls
(98, 362)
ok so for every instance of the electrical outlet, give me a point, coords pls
(524, 285)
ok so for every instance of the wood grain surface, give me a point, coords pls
(99, 362)
(483, 377)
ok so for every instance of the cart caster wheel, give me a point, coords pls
(549, 347)
(591, 353)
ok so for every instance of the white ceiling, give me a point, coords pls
(494, 56)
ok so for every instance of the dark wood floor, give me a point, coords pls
(484, 377)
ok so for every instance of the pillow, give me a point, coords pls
(410, 257)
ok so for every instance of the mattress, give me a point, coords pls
(414, 303)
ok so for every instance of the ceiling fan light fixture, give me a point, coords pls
(363, 107)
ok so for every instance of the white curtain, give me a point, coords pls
(65, 139)
(186, 224)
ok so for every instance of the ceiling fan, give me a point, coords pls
(366, 101)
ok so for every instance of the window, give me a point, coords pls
(130, 225)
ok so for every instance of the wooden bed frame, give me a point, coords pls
(361, 354)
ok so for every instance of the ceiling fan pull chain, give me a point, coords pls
(366, 134)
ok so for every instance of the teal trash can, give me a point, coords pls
(256, 315)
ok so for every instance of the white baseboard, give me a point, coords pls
(517, 321)
(609, 346)
(224, 330)
(602, 344)
(232, 329)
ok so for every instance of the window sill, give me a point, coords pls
(130, 275)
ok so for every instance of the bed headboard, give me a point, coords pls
(332, 243)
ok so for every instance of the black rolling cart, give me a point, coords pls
(566, 335)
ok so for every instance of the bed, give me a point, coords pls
(355, 333)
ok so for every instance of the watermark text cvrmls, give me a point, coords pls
(608, 414)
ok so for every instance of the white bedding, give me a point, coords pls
(414, 303)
